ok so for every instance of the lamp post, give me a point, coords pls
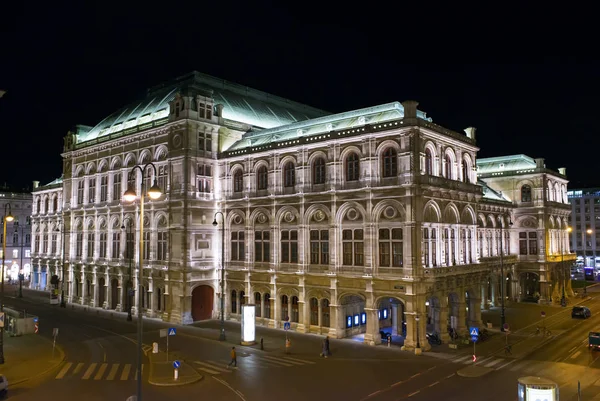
(563, 300)
(63, 303)
(502, 280)
(129, 253)
(7, 218)
(585, 234)
(222, 334)
(417, 320)
(130, 195)
(22, 271)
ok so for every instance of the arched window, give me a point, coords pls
(295, 314)
(289, 175)
(390, 163)
(257, 303)
(238, 181)
(352, 167)
(428, 162)
(465, 172)
(267, 313)
(242, 300)
(39, 205)
(448, 167)
(314, 311)
(233, 301)
(525, 193)
(46, 205)
(55, 204)
(319, 171)
(284, 308)
(262, 178)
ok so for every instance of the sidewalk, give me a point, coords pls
(28, 357)
(162, 372)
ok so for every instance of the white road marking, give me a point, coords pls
(78, 368)
(212, 367)
(416, 392)
(113, 371)
(125, 372)
(495, 362)
(64, 371)
(209, 371)
(299, 360)
(223, 382)
(575, 355)
(101, 371)
(277, 362)
(433, 384)
(283, 360)
(89, 371)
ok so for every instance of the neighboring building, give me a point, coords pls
(18, 234)
(340, 223)
(585, 223)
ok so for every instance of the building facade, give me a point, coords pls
(18, 234)
(338, 223)
(585, 223)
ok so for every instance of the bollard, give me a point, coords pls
(389, 341)
(176, 374)
(262, 348)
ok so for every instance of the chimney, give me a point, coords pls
(36, 184)
(562, 171)
(470, 131)
(539, 163)
(220, 108)
(410, 109)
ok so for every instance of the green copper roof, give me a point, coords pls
(242, 104)
(504, 163)
(323, 125)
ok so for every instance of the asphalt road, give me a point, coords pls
(101, 350)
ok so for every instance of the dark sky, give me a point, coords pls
(524, 84)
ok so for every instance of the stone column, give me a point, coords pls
(274, 311)
(484, 296)
(395, 320)
(494, 287)
(462, 318)
(83, 286)
(302, 324)
(334, 327)
(120, 293)
(320, 313)
(94, 302)
(444, 335)
(372, 336)
(475, 314)
(106, 290)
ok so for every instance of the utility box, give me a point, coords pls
(18, 323)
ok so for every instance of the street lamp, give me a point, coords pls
(63, 303)
(417, 320)
(563, 300)
(502, 280)
(7, 218)
(585, 234)
(222, 334)
(129, 253)
(130, 195)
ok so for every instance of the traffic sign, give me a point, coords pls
(172, 331)
(163, 333)
(506, 327)
(474, 331)
(474, 358)
(543, 314)
(1, 319)
(286, 326)
(176, 364)
(35, 320)
(36, 328)
(474, 338)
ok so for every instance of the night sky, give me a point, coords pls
(63, 66)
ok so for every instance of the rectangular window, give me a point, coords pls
(146, 245)
(116, 245)
(162, 178)
(205, 142)
(446, 246)
(15, 253)
(204, 185)
(79, 245)
(289, 246)
(90, 245)
(353, 247)
(205, 110)
(45, 248)
(80, 187)
(522, 243)
(27, 239)
(53, 244)
(91, 190)
(237, 245)
(129, 245)
(103, 245)
(533, 245)
(390, 247)
(319, 247)
(27, 253)
(117, 190)
(262, 243)
(103, 188)
(161, 246)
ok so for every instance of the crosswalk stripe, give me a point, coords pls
(276, 362)
(89, 371)
(279, 360)
(78, 368)
(461, 360)
(113, 372)
(494, 362)
(212, 367)
(299, 360)
(101, 371)
(125, 373)
(518, 366)
(209, 371)
(64, 370)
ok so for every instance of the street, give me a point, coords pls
(100, 361)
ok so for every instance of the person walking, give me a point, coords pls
(233, 358)
(327, 350)
(324, 350)
(288, 345)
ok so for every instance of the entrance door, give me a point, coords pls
(202, 302)
(114, 293)
(101, 292)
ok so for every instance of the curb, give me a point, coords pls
(62, 357)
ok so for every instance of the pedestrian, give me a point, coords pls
(508, 350)
(328, 351)
(233, 358)
(288, 345)
(324, 349)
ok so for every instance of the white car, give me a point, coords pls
(3, 386)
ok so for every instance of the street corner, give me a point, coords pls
(166, 374)
(41, 355)
(474, 371)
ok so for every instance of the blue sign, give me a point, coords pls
(176, 364)
(474, 338)
(474, 331)
(35, 320)
(172, 331)
(286, 326)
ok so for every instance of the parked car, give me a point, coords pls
(3, 386)
(581, 311)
